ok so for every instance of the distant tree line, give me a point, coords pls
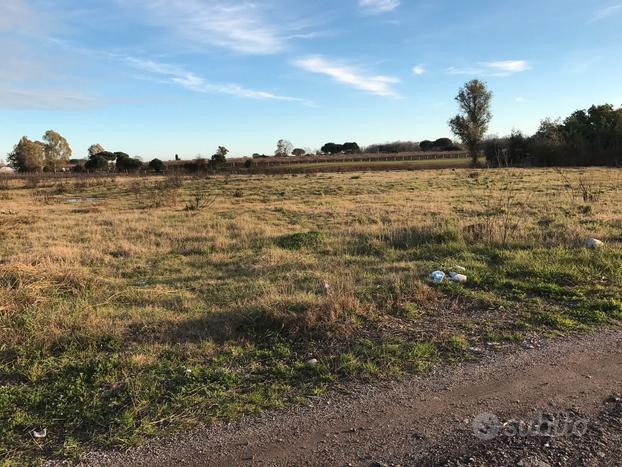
(441, 144)
(586, 137)
(345, 148)
(101, 160)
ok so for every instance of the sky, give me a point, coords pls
(155, 78)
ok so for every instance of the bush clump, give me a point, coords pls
(300, 240)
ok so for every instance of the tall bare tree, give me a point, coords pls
(471, 124)
(283, 148)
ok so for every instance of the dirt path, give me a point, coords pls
(428, 420)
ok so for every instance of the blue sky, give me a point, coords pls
(158, 77)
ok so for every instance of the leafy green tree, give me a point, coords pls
(350, 148)
(220, 158)
(28, 156)
(125, 163)
(299, 152)
(97, 163)
(443, 144)
(471, 124)
(331, 148)
(57, 151)
(426, 145)
(157, 166)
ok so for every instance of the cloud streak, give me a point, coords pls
(377, 85)
(501, 68)
(195, 83)
(608, 12)
(235, 25)
(377, 7)
(45, 99)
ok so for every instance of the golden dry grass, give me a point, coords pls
(115, 280)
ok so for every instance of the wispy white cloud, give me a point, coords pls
(508, 66)
(378, 85)
(419, 70)
(501, 68)
(195, 83)
(607, 12)
(236, 25)
(45, 99)
(378, 6)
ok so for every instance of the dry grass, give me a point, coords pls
(106, 281)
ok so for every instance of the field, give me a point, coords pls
(135, 307)
(350, 166)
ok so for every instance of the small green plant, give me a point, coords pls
(300, 240)
(458, 344)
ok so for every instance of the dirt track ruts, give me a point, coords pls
(423, 420)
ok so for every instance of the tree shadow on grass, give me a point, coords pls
(250, 325)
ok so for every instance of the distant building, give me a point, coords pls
(7, 170)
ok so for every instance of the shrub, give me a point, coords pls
(157, 166)
(199, 201)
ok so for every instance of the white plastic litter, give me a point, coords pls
(458, 277)
(312, 362)
(40, 433)
(438, 277)
(594, 244)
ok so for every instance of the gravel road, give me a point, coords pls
(555, 404)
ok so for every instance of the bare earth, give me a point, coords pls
(429, 420)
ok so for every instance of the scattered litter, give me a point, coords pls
(188, 371)
(455, 275)
(40, 433)
(312, 362)
(325, 287)
(438, 276)
(594, 244)
(458, 277)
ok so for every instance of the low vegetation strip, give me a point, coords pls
(131, 307)
(344, 158)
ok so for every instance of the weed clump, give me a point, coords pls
(300, 240)
(404, 238)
